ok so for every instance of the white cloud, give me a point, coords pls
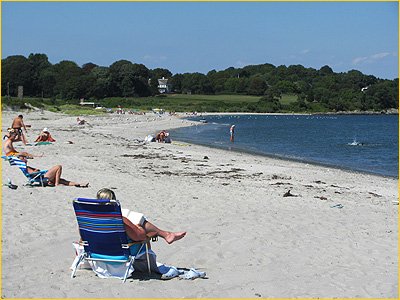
(370, 59)
(359, 60)
(305, 51)
(379, 55)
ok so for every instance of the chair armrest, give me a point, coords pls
(151, 236)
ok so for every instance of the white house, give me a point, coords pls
(163, 86)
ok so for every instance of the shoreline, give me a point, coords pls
(390, 112)
(274, 156)
(284, 158)
(324, 239)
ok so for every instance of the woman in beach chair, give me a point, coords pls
(138, 228)
(53, 175)
(136, 224)
(111, 237)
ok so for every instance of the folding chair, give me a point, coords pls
(103, 234)
(35, 177)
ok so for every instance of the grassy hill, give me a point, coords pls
(170, 102)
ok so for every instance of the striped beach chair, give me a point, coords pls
(35, 177)
(103, 235)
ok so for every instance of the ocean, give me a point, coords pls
(364, 143)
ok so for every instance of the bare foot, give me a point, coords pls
(174, 236)
(83, 185)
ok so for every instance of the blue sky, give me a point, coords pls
(202, 36)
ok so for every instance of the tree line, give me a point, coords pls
(323, 88)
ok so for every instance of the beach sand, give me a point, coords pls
(241, 230)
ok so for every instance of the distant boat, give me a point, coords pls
(203, 121)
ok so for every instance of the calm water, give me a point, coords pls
(367, 143)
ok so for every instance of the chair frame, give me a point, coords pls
(85, 255)
(34, 177)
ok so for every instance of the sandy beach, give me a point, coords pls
(337, 236)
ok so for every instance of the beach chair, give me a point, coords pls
(35, 177)
(103, 235)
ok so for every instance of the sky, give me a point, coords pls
(203, 36)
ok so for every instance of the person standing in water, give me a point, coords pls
(232, 131)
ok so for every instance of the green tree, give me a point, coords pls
(88, 67)
(15, 71)
(176, 82)
(116, 77)
(39, 63)
(325, 70)
(257, 86)
(47, 81)
(196, 83)
(101, 86)
(68, 80)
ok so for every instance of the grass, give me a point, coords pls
(170, 102)
(77, 110)
(225, 98)
(287, 99)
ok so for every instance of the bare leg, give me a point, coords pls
(54, 176)
(168, 236)
(71, 183)
(24, 139)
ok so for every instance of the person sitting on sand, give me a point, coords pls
(53, 175)
(141, 228)
(7, 135)
(8, 146)
(160, 137)
(80, 121)
(45, 136)
(17, 125)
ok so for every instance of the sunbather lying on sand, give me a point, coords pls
(45, 136)
(53, 175)
(143, 228)
(82, 121)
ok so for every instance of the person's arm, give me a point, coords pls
(50, 138)
(135, 232)
(23, 125)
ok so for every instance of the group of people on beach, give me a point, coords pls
(137, 227)
(15, 134)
